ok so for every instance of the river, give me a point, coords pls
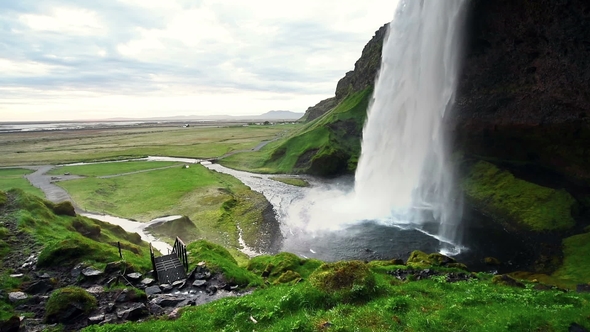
(364, 240)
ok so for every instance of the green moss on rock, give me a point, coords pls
(420, 259)
(3, 198)
(352, 280)
(499, 194)
(576, 260)
(506, 280)
(218, 259)
(288, 277)
(64, 209)
(68, 303)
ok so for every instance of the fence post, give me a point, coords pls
(120, 253)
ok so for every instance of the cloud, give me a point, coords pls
(64, 59)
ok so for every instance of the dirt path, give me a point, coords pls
(45, 182)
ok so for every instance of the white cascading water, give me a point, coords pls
(404, 177)
(404, 170)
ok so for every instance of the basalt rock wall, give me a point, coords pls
(524, 96)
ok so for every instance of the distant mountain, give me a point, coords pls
(270, 115)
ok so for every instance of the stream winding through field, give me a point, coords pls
(368, 240)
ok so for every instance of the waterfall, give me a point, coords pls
(404, 172)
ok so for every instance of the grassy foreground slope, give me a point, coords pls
(30, 225)
(328, 145)
(297, 294)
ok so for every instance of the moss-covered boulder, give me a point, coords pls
(219, 260)
(64, 209)
(518, 203)
(68, 250)
(67, 304)
(420, 259)
(277, 266)
(506, 280)
(288, 277)
(353, 280)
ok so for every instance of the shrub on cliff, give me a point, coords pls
(68, 303)
(352, 280)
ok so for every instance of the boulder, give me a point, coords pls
(153, 290)
(17, 296)
(96, 319)
(39, 287)
(10, 325)
(133, 312)
(199, 283)
(135, 276)
(167, 300)
(147, 281)
(90, 272)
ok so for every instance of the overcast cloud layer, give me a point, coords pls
(82, 59)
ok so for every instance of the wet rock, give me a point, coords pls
(455, 277)
(29, 262)
(166, 287)
(123, 296)
(155, 309)
(134, 312)
(506, 280)
(174, 314)
(39, 287)
(17, 275)
(43, 276)
(96, 290)
(109, 319)
(147, 281)
(17, 296)
(77, 270)
(109, 308)
(199, 283)
(492, 261)
(10, 325)
(179, 283)
(95, 319)
(583, 288)
(211, 290)
(113, 267)
(91, 272)
(574, 327)
(69, 314)
(135, 276)
(167, 300)
(153, 290)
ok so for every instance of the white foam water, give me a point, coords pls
(404, 177)
(404, 168)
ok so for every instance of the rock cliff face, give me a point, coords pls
(362, 77)
(525, 91)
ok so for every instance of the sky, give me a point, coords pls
(80, 59)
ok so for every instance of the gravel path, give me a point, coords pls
(45, 182)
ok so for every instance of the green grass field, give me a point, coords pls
(216, 203)
(35, 148)
(14, 178)
(105, 169)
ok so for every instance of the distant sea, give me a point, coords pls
(12, 127)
